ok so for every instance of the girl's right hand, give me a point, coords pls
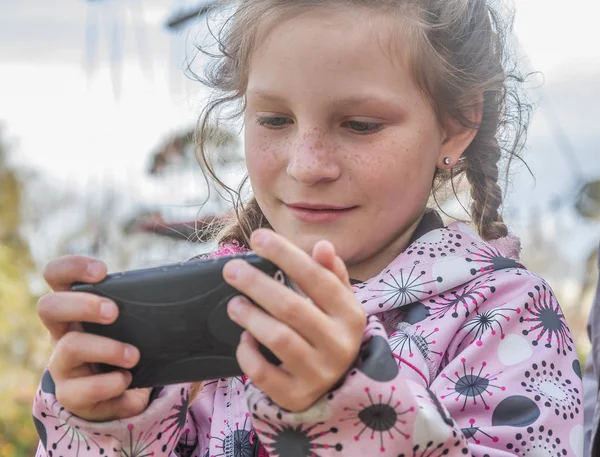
(83, 392)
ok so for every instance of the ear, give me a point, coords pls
(458, 137)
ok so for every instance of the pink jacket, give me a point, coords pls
(465, 353)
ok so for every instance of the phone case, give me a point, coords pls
(176, 315)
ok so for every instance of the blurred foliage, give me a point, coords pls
(23, 340)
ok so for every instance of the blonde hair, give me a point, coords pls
(460, 59)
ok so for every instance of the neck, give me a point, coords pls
(365, 269)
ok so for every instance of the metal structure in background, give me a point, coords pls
(108, 18)
(182, 17)
(108, 24)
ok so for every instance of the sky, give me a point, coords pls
(61, 117)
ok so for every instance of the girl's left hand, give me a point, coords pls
(317, 339)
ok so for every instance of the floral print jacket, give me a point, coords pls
(465, 353)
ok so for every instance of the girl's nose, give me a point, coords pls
(312, 160)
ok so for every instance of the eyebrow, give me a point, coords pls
(265, 95)
(352, 100)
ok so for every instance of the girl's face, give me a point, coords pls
(341, 144)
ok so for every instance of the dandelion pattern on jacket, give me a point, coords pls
(465, 353)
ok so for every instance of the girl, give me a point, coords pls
(441, 344)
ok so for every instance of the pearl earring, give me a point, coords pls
(447, 161)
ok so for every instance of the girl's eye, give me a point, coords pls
(363, 127)
(273, 122)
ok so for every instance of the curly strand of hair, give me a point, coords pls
(248, 218)
(195, 389)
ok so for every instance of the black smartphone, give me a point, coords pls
(176, 315)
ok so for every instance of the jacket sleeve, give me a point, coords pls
(590, 380)
(508, 384)
(590, 394)
(165, 428)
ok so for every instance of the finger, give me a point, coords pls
(289, 347)
(58, 310)
(320, 284)
(272, 380)
(64, 271)
(340, 270)
(324, 254)
(283, 303)
(95, 397)
(78, 348)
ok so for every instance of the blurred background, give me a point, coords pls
(97, 113)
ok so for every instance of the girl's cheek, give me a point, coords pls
(264, 151)
(261, 163)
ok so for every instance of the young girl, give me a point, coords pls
(440, 344)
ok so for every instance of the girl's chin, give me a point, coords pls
(307, 242)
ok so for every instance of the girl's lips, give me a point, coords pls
(318, 213)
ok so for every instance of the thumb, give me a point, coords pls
(134, 402)
(129, 404)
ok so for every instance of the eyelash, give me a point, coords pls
(269, 122)
(371, 127)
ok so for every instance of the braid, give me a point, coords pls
(487, 198)
(474, 42)
(481, 168)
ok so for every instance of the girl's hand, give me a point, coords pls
(97, 397)
(316, 338)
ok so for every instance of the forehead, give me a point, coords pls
(332, 46)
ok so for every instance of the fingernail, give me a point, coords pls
(108, 309)
(128, 376)
(95, 269)
(260, 238)
(235, 307)
(232, 269)
(131, 353)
